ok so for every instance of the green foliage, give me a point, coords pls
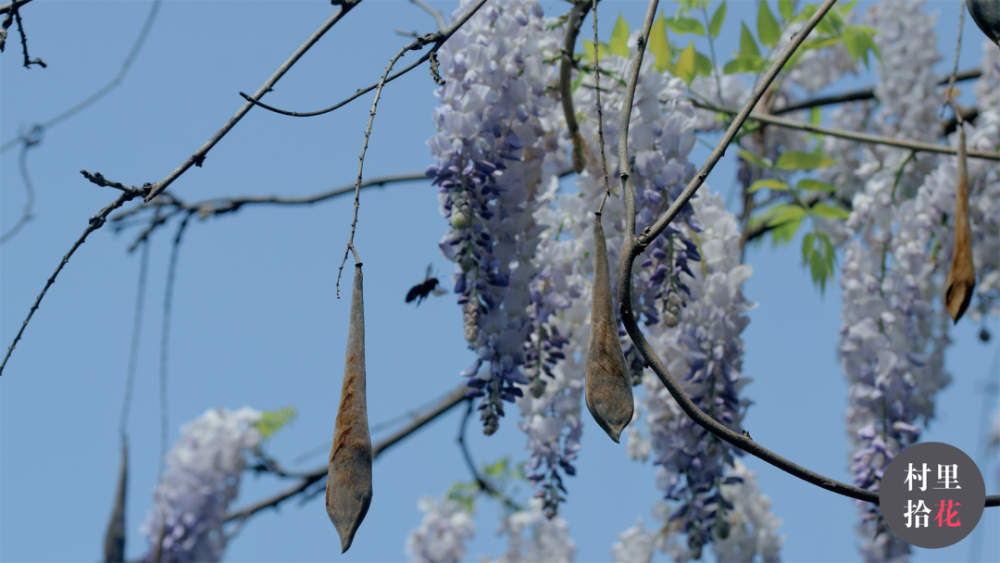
(858, 41)
(786, 8)
(659, 46)
(702, 64)
(768, 29)
(830, 212)
(815, 116)
(755, 160)
(797, 160)
(686, 67)
(748, 47)
(619, 37)
(717, 18)
(682, 25)
(769, 183)
(811, 185)
(272, 421)
(753, 64)
(818, 253)
(501, 475)
(591, 54)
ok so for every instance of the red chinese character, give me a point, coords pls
(944, 518)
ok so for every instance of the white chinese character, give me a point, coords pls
(948, 474)
(920, 475)
(920, 511)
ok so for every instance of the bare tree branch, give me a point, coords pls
(96, 222)
(12, 6)
(198, 158)
(452, 400)
(865, 94)
(484, 485)
(915, 146)
(573, 22)
(24, 43)
(442, 26)
(28, 187)
(438, 38)
(126, 65)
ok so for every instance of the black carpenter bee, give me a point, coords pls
(420, 291)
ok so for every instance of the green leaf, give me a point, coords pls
(784, 232)
(744, 64)
(619, 37)
(819, 43)
(768, 29)
(769, 183)
(830, 212)
(497, 469)
(576, 83)
(271, 421)
(687, 64)
(815, 116)
(819, 271)
(464, 494)
(815, 186)
(658, 44)
(588, 50)
(756, 160)
(702, 64)
(785, 213)
(844, 9)
(786, 8)
(748, 47)
(807, 247)
(796, 160)
(717, 18)
(683, 25)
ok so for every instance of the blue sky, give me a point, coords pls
(256, 321)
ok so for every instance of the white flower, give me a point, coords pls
(440, 538)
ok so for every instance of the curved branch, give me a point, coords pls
(573, 22)
(438, 39)
(633, 246)
(96, 222)
(452, 400)
(850, 135)
(198, 157)
(866, 94)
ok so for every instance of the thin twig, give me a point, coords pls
(29, 188)
(416, 45)
(24, 43)
(850, 135)
(633, 246)
(600, 114)
(959, 118)
(865, 94)
(449, 402)
(168, 303)
(484, 485)
(133, 355)
(12, 5)
(633, 80)
(442, 26)
(95, 222)
(439, 40)
(104, 89)
(198, 158)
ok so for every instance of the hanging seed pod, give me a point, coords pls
(349, 480)
(609, 385)
(962, 274)
(114, 540)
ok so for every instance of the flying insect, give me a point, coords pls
(420, 291)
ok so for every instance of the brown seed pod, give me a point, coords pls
(349, 481)
(609, 387)
(114, 540)
(962, 274)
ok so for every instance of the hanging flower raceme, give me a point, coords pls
(202, 478)
(441, 536)
(494, 136)
(661, 135)
(535, 537)
(704, 351)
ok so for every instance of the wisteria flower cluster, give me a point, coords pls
(704, 351)
(202, 478)
(441, 536)
(494, 137)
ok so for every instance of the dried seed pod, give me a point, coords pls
(962, 274)
(609, 385)
(114, 540)
(349, 480)
(579, 160)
